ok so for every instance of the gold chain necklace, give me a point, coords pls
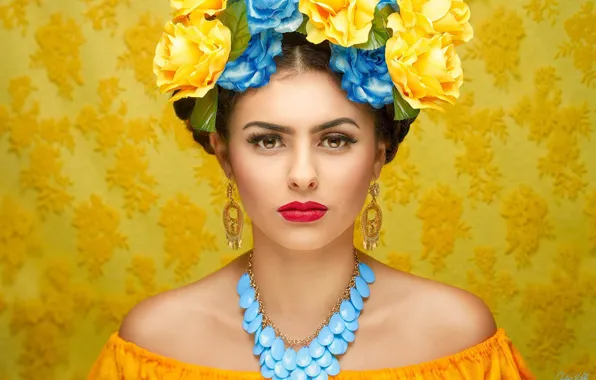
(267, 321)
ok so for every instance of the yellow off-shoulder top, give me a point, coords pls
(496, 359)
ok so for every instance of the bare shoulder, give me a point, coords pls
(179, 321)
(449, 317)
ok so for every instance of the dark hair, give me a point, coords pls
(298, 56)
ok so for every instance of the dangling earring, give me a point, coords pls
(371, 224)
(233, 220)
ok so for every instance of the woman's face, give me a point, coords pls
(297, 140)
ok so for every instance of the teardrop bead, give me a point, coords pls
(258, 333)
(262, 357)
(313, 369)
(251, 312)
(367, 274)
(267, 372)
(336, 324)
(325, 360)
(362, 287)
(267, 336)
(303, 357)
(247, 298)
(352, 326)
(289, 359)
(298, 374)
(338, 346)
(243, 284)
(356, 299)
(280, 370)
(348, 336)
(257, 349)
(269, 361)
(325, 336)
(315, 349)
(255, 324)
(347, 311)
(278, 349)
(333, 368)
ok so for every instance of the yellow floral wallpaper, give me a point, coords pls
(105, 199)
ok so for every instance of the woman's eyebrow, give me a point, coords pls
(333, 123)
(272, 127)
(290, 131)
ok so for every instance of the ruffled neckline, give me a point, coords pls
(477, 352)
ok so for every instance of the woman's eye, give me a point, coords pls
(269, 142)
(334, 142)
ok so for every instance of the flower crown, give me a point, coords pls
(388, 51)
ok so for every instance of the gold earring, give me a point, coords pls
(371, 220)
(233, 220)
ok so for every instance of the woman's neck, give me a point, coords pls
(299, 288)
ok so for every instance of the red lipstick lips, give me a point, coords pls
(302, 212)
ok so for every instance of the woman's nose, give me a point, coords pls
(303, 174)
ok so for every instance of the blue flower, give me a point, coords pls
(282, 16)
(365, 74)
(393, 3)
(255, 66)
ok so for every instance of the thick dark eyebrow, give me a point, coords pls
(333, 123)
(290, 131)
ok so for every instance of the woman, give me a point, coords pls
(302, 121)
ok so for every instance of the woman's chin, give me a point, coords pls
(305, 239)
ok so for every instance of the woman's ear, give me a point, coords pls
(221, 153)
(380, 157)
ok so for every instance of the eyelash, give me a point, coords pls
(256, 138)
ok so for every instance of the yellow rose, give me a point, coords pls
(342, 22)
(209, 7)
(191, 56)
(438, 16)
(425, 69)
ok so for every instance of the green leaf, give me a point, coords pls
(379, 33)
(302, 28)
(204, 112)
(402, 109)
(384, 13)
(234, 18)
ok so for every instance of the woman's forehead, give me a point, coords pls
(298, 100)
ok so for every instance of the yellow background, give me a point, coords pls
(105, 200)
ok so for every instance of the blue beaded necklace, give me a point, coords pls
(318, 359)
